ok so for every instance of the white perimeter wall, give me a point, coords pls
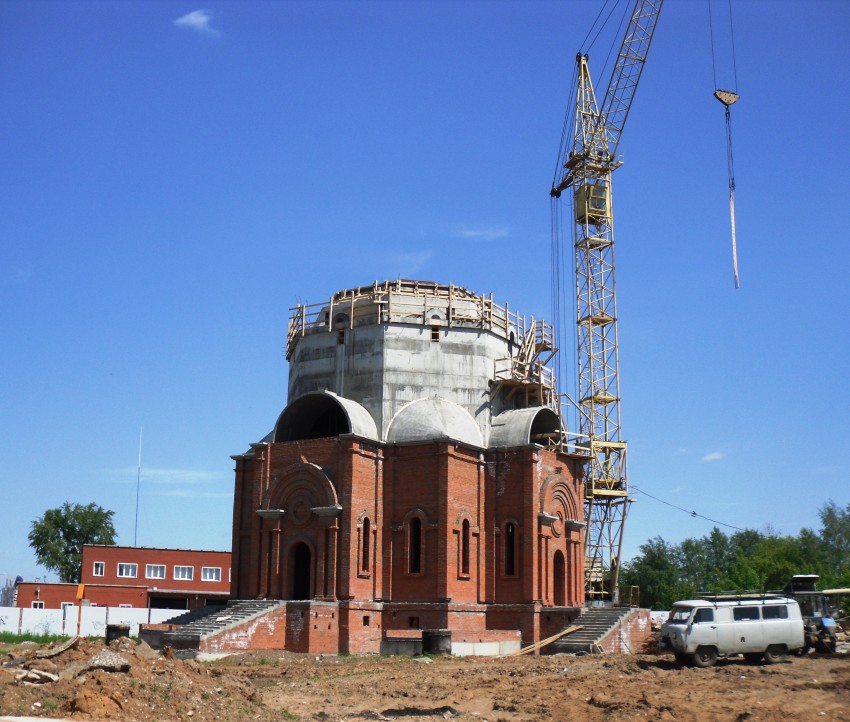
(85, 621)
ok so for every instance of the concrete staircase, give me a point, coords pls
(221, 618)
(205, 622)
(596, 623)
(194, 614)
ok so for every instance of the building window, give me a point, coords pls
(510, 549)
(187, 573)
(155, 571)
(435, 334)
(65, 605)
(211, 574)
(125, 606)
(414, 546)
(464, 548)
(98, 569)
(38, 605)
(128, 570)
(365, 546)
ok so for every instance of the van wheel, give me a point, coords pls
(775, 653)
(753, 657)
(704, 657)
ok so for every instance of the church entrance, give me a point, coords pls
(300, 566)
(559, 574)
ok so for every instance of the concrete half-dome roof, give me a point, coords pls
(436, 418)
(517, 426)
(318, 414)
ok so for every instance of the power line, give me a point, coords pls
(687, 511)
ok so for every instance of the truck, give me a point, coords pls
(759, 626)
(818, 609)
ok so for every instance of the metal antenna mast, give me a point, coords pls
(138, 488)
(587, 169)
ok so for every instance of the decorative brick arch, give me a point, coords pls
(301, 541)
(299, 484)
(557, 499)
(561, 520)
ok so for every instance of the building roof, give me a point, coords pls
(427, 419)
(155, 549)
(515, 427)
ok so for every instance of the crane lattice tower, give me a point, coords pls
(588, 168)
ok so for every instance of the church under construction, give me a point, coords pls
(416, 482)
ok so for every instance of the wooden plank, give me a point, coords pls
(543, 642)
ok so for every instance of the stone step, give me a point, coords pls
(595, 623)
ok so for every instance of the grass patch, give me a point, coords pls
(12, 638)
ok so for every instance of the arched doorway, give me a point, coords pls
(301, 566)
(559, 575)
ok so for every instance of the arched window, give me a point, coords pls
(414, 546)
(510, 549)
(365, 546)
(435, 329)
(559, 578)
(464, 548)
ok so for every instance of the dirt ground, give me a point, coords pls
(282, 686)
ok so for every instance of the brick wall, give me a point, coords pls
(366, 500)
(631, 635)
(194, 576)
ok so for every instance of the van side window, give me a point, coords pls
(704, 615)
(745, 614)
(779, 611)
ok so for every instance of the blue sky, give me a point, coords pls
(174, 178)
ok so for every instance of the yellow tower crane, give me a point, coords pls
(586, 167)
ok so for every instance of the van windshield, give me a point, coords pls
(679, 615)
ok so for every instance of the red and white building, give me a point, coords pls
(123, 576)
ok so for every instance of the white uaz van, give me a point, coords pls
(698, 631)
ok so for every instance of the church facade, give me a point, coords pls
(417, 481)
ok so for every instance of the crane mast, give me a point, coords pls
(587, 171)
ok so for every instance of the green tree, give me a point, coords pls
(58, 537)
(654, 570)
(835, 540)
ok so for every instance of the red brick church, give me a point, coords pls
(415, 483)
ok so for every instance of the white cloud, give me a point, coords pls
(483, 234)
(184, 494)
(826, 470)
(170, 476)
(408, 265)
(713, 456)
(199, 21)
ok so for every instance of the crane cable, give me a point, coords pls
(692, 513)
(728, 97)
